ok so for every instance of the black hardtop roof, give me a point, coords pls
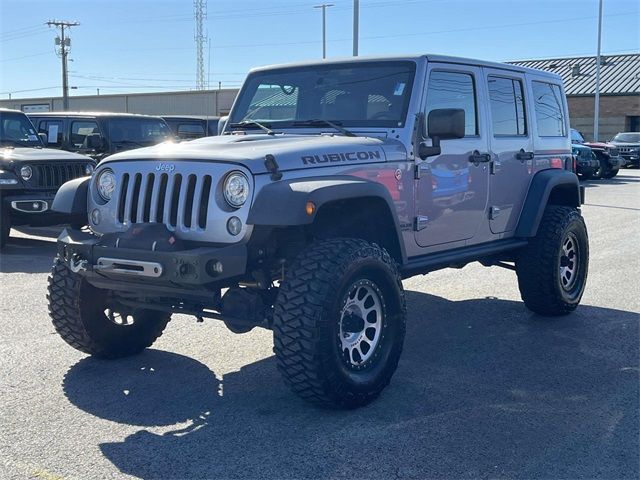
(93, 114)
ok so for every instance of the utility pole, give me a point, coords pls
(356, 26)
(65, 44)
(199, 14)
(596, 110)
(324, 7)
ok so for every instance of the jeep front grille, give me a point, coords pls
(614, 152)
(626, 149)
(55, 174)
(179, 201)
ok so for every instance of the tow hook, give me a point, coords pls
(77, 264)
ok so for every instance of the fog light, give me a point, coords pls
(234, 225)
(95, 216)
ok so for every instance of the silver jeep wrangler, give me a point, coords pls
(331, 183)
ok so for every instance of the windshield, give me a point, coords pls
(360, 95)
(138, 131)
(627, 137)
(16, 130)
(576, 136)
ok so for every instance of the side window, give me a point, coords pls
(80, 130)
(453, 90)
(507, 106)
(549, 112)
(53, 130)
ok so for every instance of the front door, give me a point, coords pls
(451, 193)
(511, 146)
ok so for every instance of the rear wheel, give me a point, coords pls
(84, 318)
(339, 323)
(552, 269)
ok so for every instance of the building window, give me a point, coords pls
(549, 112)
(633, 123)
(507, 106)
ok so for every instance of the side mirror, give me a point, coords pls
(94, 141)
(222, 123)
(442, 124)
(43, 138)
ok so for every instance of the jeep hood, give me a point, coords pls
(291, 152)
(11, 156)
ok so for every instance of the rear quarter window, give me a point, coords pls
(548, 106)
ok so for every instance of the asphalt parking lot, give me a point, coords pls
(485, 389)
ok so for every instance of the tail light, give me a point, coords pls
(556, 163)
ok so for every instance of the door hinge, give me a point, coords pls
(493, 167)
(419, 170)
(494, 212)
(420, 223)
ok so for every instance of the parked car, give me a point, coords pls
(629, 145)
(189, 127)
(30, 175)
(607, 154)
(586, 160)
(315, 203)
(100, 134)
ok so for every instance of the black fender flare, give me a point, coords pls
(71, 197)
(283, 203)
(555, 186)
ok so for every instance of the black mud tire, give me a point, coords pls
(583, 177)
(543, 288)
(307, 323)
(77, 311)
(601, 170)
(610, 173)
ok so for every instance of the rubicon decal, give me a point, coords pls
(340, 157)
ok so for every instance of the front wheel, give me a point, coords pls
(87, 320)
(339, 323)
(610, 173)
(552, 269)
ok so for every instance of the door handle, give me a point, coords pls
(477, 157)
(522, 155)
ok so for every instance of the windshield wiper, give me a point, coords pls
(247, 123)
(128, 142)
(319, 122)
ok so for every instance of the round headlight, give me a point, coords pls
(236, 189)
(106, 184)
(88, 169)
(26, 172)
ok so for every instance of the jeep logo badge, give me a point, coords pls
(165, 167)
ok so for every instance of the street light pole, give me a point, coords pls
(356, 26)
(324, 7)
(596, 110)
(65, 43)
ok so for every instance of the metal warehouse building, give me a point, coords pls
(619, 91)
(197, 102)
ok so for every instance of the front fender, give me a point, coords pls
(71, 197)
(283, 203)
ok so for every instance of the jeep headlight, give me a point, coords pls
(26, 172)
(236, 189)
(106, 184)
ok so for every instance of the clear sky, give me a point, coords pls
(148, 45)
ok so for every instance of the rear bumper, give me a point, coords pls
(147, 271)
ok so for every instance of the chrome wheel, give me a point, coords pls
(569, 262)
(361, 323)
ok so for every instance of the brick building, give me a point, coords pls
(619, 91)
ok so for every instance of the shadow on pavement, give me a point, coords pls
(27, 255)
(620, 179)
(484, 389)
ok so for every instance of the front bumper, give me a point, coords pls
(632, 159)
(587, 167)
(32, 208)
(146, 271)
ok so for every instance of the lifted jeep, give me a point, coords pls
(331, 183)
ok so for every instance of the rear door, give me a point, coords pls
(451, 190)
(511, 147)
